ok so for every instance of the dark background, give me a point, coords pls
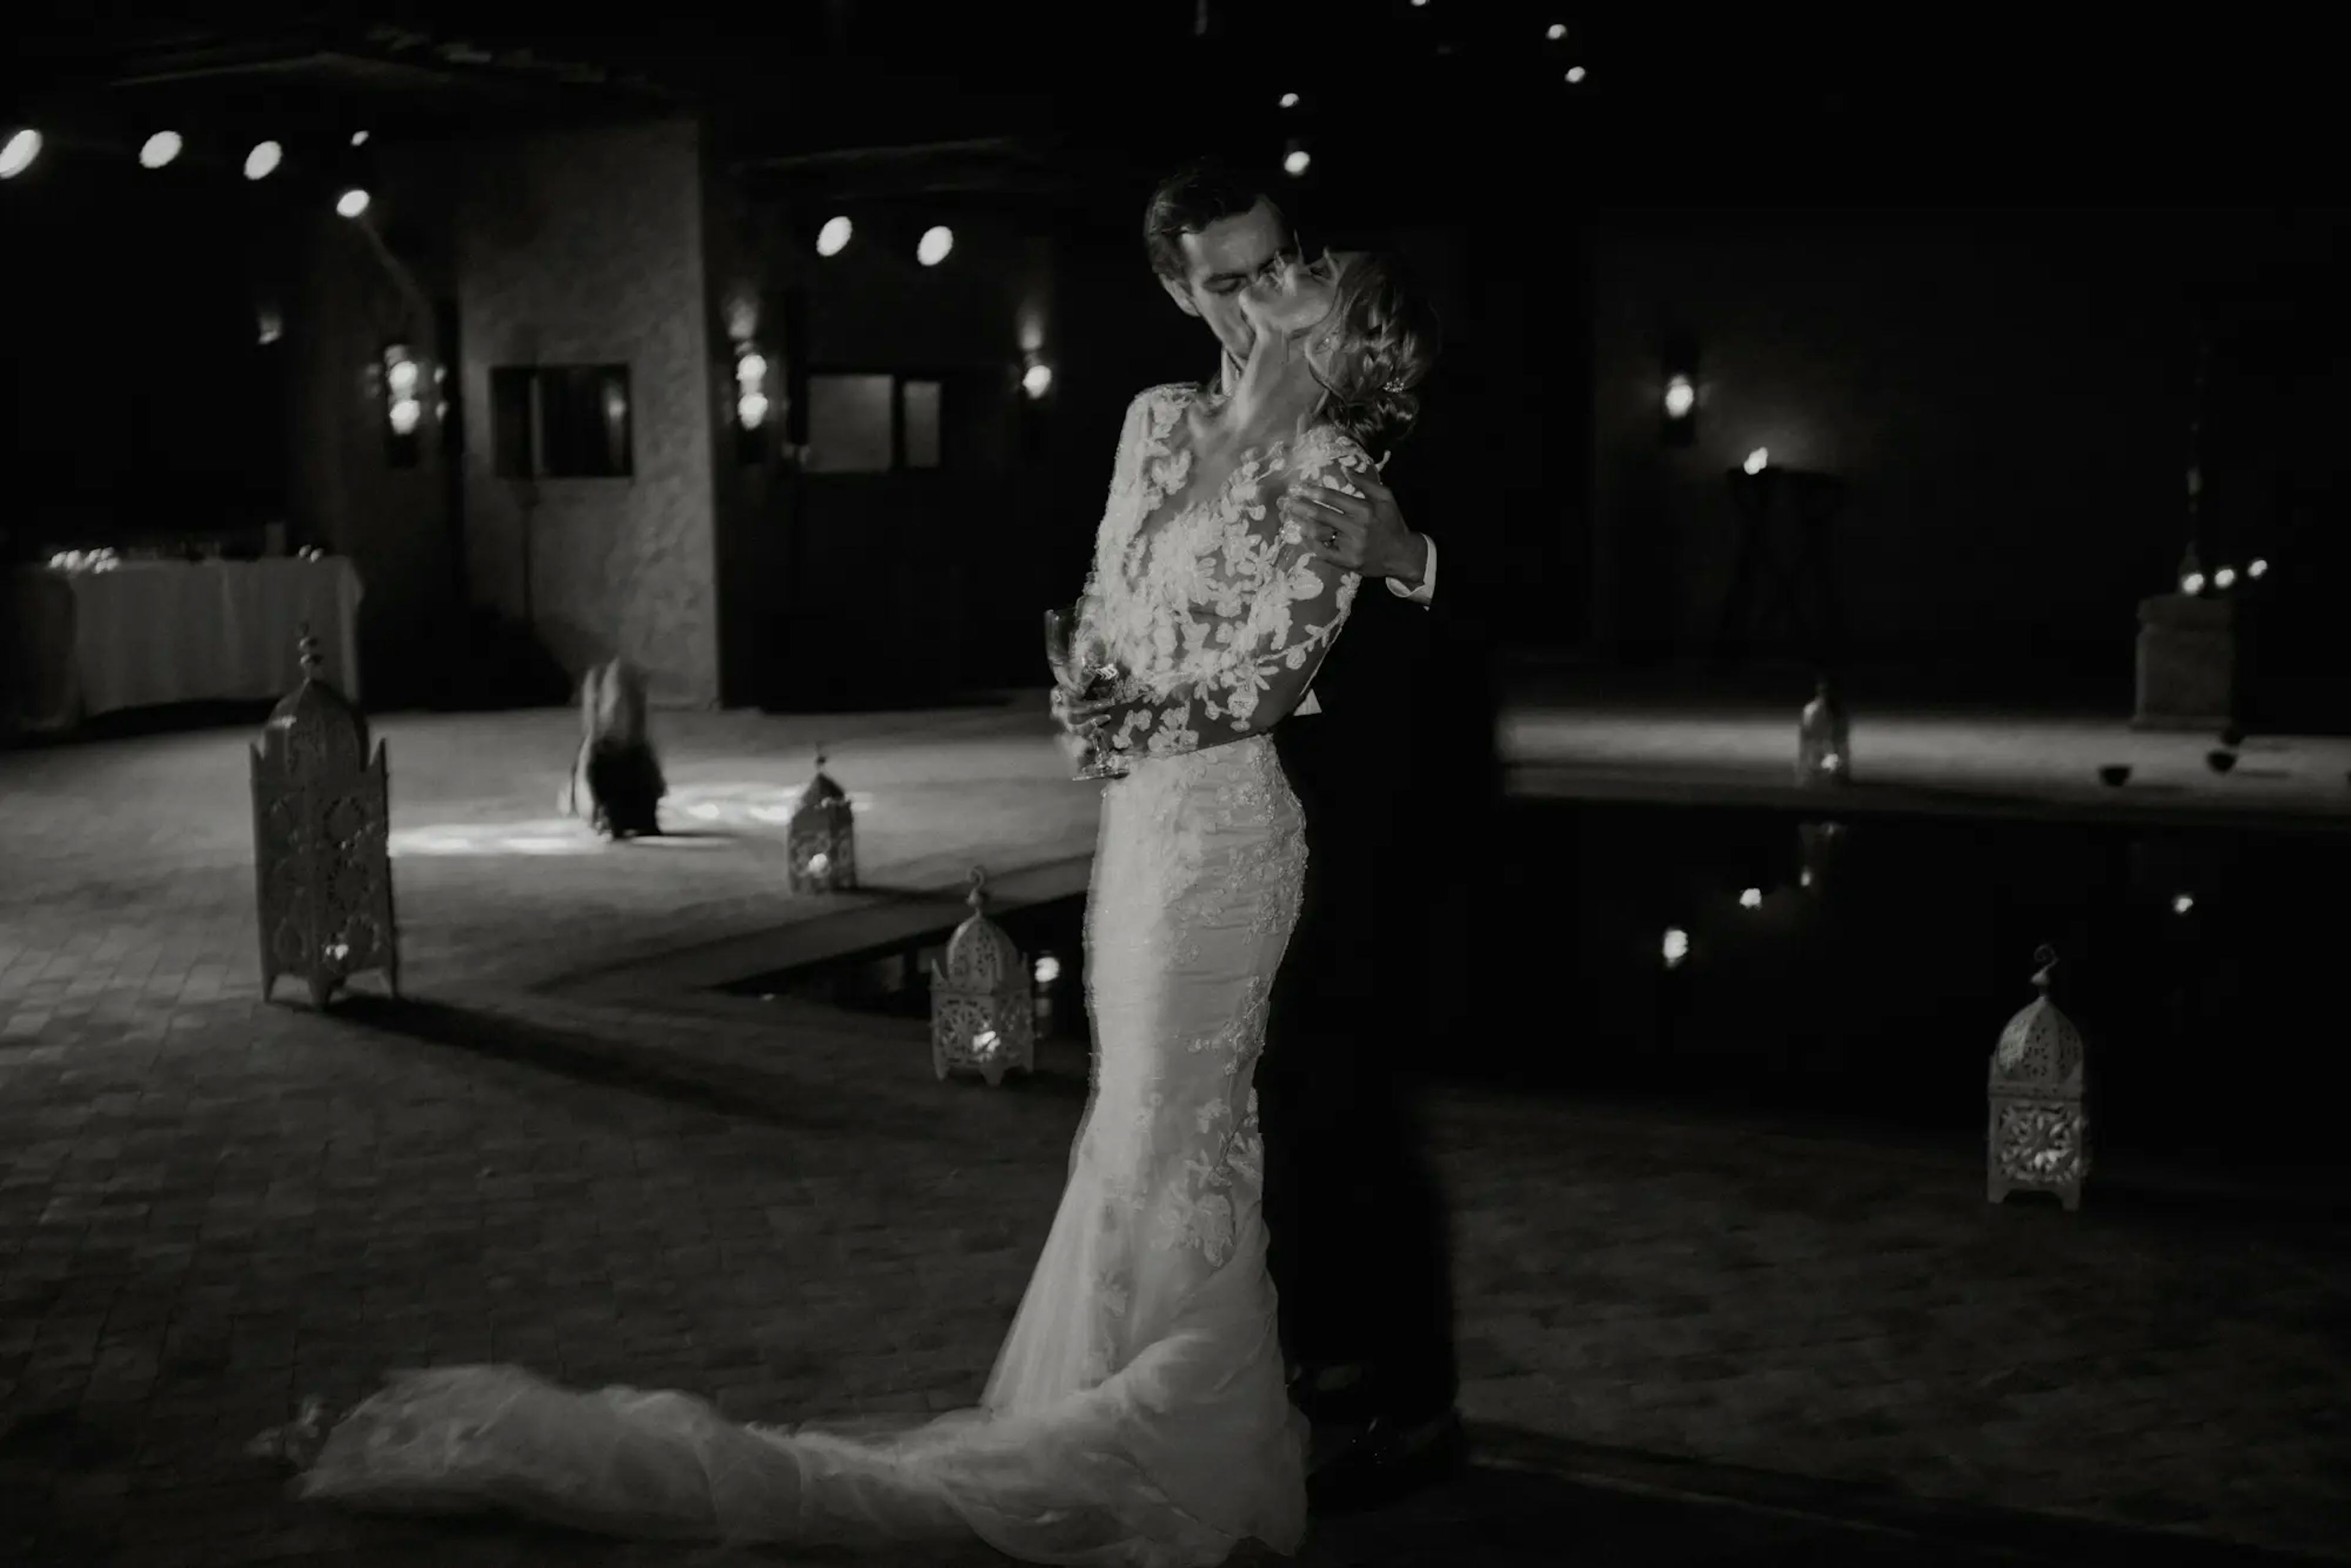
(1963, 260)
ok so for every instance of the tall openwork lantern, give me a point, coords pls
(2038, 1136)
(821, 839)
(982, 1019)
(322, 826)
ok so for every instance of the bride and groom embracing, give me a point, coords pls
(1142, 1410)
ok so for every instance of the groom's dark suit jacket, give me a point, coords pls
(1397, 775)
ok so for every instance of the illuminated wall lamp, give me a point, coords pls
(1679, 405)
(404, 407)
(753, 410)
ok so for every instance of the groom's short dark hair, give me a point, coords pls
(1199, 194)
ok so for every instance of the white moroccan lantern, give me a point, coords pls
(2038, 1136)
(321, 832)
(981, 1017)
(821, 841)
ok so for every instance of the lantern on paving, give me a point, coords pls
(1825, 738)
(821, 839)
(2038, 1136)
(321, 828)
(982, 1019)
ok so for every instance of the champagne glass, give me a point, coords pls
(1083, 669)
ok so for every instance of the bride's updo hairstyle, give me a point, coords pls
(1390, 338)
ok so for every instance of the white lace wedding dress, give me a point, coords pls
(1137, 1414)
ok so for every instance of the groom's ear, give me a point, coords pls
(1179, 292)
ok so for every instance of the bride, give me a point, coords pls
(1137, 1414)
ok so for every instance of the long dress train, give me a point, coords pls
(1137, 1414)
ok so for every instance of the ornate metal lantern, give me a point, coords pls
(982, 1019)
(2038, 1136)
(321, 822)
(821, 839)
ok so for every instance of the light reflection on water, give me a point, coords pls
(1871, 971)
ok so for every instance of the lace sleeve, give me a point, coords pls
(1262, 616)
(1125, 486)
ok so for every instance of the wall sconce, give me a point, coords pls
(1680, 405)
(753, 410)
(403, 406)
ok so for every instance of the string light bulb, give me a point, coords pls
(159, 149)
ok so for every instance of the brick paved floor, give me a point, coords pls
(1683, 1341)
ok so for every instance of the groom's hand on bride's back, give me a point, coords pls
(1364, 534)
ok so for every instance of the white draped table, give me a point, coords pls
(149, 631)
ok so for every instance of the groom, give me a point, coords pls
(1357, 1245)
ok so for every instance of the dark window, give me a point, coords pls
(873, 424)
(563, 422)
(919, 404)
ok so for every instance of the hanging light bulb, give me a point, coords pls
(2225, 578)
(159, 149)
(1296, 162)
(1676, 948)
(1758, 460)
(833, 238)
(1036, 380)
(1575, 75)
(352, 203)
(1556, 31)
(358, 138)
(1290, 100)
(263, 161)
(2257, 568)
(1681, 398)
(935, 245)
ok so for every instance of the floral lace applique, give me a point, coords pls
(1215, 612)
